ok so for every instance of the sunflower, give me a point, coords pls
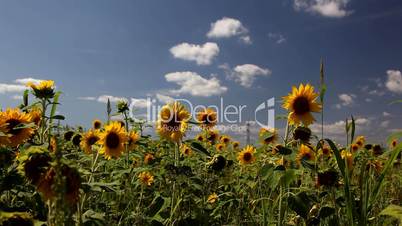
(327, 178)
(394, 143)
(148, 158)
(212, 198)
(45, 89)
(325, 150)
(68, 135)
(77, 139)
(97, 124)
(112, 140)
(89, 139)
(36, 116)
(224, 139)
(300, 103)
(53, 144)
(3, 131)
(283, 162)
(146, 178)
(360, 140)
(268, 136)
(349, 158)
(302, 133)
(220, 147)
(173, 120)
(12, 120)
(236, 144)
(305, 153)
(246, 156)
(207, 118)
(377, 150)
(377, 165)
(217, 163)
(185, 150)
(354, 147)
(199, 138)
(133, 138)
(212, 136)
(16, 218)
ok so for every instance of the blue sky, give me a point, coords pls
(243, 51)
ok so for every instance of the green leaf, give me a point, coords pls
(326, 211)
(54, 106)
(300, 203)
(393, 211)
(284, 150)
(199, 148)
(352, 135)
(58, 117)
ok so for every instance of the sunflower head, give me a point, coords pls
(33, 164)
(207, 118)
(212, 198)
(217, 163)
(68, 135)
(325, 150)
(394, 142)
(53, 144)
(354, 147)
(36, 115)
(302, 133)
(199, 138)
(348, 157)
(220, 147)
(360, 140)
(377, 150)
(77, 139)
(15, 124)
(327, 178)
(246, 156)
(149, 159)
(300, 103)
(97, 124)
(89, 138)
(146, 178)
(236, 144)
(16, 219)
(212, 136)
(305, 153)
(45, 89)
(133, 138)
(283, 162)
(186, 150)
(225, 139)
(122, 106)
(172, 122)
(112, 140)
(268, 136)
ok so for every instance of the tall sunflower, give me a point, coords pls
(173, 120)
(246, 156)
(112, 140)
(305, 153)
(14, 124)
(300, 103)
(207, 118)
(89, 139)
(45, 89)
(97, 124)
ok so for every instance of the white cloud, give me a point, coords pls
(245, 74)
(368, 99)
(16, 97)
(385, 124)
(346, 100)
(279, 38)
(376, 92)
(326, 8)
(194, 84)
(164, 98)
(202, 54)
(140, 103)
(24, 81)
(394, 81)
(104, 98)
(386, 114)
(86, 98)
(11, 88)
(246, 39)
(338, 128)
(226, 27)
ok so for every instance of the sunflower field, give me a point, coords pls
(115, 174)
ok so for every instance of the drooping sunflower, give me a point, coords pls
(302, 133)
(133, 138)
(97, 124)
(112, 140)
(354, 147)
(212, 198)
(300, 103)
(45, 89)
(305, 153)
(36, 115)
(360, 140)
(146, 178)
(212, 136)
(268, 136)
(13, 121)
(173, 121)
(327, 178)
(207, 118)
(246, 156)
(89, 138)
(186, 150)
(68, 135)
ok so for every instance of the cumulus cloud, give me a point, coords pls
(346, 100)
(11, 88)
(201, 54)
(246, 39)
(326, 8)
(24, 81)
(245, 74)
(385, 124)
(140, 103)
(394, 81)
(338, 128)
(386, 114)
(194, 84)
(277, 37)
(225, 28)
(104, 98)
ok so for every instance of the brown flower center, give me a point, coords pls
(247, 157)
(92, 140)
(12, 123)
(112, 140)
(301, 105)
